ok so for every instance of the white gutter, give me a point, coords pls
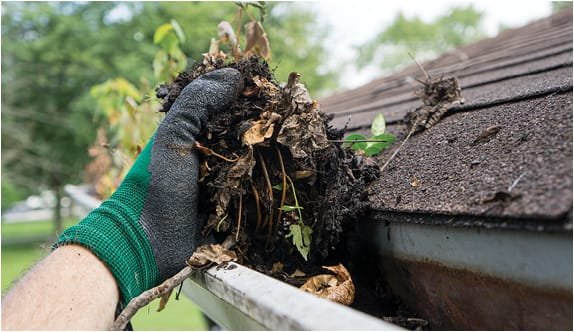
(238, 298)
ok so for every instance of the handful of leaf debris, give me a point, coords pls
(271, 175)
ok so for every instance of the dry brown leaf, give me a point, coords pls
(226, 33)
(231, 182)
(298, 274)
(257, 42)
(257, 133)
(277, 267)
(211, 253)
(260, 129)
(268, 88)
(338, 287)
(304, 133)
(303, 174)
(163, 301)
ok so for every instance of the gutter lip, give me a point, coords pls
(239, 298)
(273, 304)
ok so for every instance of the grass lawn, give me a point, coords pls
(32, 228)
(177, 315)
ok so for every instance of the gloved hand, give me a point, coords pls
(147, 229)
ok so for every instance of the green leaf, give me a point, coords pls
(278, 186)
(374, 148)
(289, 208)
(379, 125)
(355, 146)
(161, 32)
(160, 66)
(178, 31)
(301, 234)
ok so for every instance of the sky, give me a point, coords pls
(354, 22)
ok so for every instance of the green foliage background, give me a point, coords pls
(390, 48)
(52, 53)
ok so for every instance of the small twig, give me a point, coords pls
(421, 67)
(239, 212)
(258, 206)
(220, 222)
(516, 182)
(284, 192)
(146, 297)
(208, 152)
(269, 187)
(399, 148)
(295, 198)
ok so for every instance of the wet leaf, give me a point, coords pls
(301, 238)
(211, 253)
(338, 288)
(379, 125)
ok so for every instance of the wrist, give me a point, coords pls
(113, 233)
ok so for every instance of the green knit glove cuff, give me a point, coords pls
(113, 233)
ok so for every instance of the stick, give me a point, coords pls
(256, 196)
(146, 297)
(284, 192)
(399, 148)
(240, 212)
(269, 189)
(421, 67)
(516, 182)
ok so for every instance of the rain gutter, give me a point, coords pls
(239, 298)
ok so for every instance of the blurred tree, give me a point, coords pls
(560, 5)
(52, 53)
(390, 48)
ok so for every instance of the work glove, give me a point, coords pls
(147, 229)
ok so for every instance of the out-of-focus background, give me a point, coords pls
(78, 82)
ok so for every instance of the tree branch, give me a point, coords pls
(146, 297)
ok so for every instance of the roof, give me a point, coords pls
(521, 83)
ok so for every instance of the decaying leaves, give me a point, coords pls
(211, 253)
(437, 95)
(304, 133)
(257, 42)
(261, 129)
(338, 287)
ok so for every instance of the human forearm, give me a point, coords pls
(71, 289)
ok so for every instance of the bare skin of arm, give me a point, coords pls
(71, 289)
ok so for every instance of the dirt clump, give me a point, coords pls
(270, 175)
